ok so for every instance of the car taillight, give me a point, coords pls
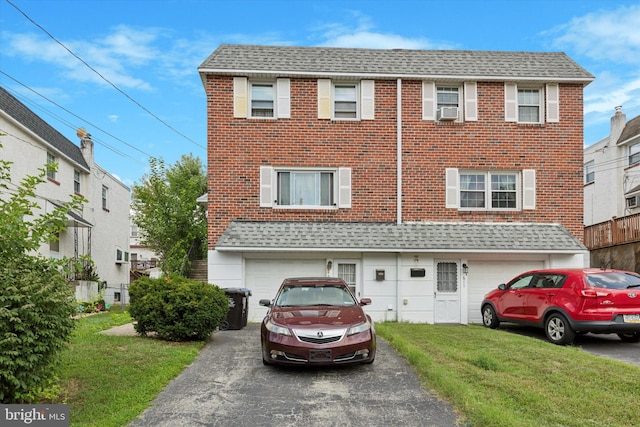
(594, 293)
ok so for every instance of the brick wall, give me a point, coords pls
(238, 147)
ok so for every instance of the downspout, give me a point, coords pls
(399, 153)
(398, 189)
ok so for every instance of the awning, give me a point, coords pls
(73, 219)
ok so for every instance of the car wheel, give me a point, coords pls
(224, 326)
(489, 317)
(558, 329)
(630, 337)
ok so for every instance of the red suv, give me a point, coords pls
(569, 301)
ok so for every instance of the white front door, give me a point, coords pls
(447, 292)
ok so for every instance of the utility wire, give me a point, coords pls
(78, 117)
(104, 78)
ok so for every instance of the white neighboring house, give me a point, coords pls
(101, 230)
(144, 261)
(612, 172)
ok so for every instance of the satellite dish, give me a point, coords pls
(81, 132)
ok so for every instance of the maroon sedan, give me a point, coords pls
(569, 301)
(316, 321)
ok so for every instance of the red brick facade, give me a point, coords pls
(237, 147)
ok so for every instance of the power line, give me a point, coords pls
(80, 118)
(104, 78)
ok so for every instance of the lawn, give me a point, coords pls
(496, 378)
(493, 377)
(109, 380)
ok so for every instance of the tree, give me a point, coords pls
(164, 208)
(36, 303)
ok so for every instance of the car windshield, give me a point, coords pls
(296, 296)
(613, 280)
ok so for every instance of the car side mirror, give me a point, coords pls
(265, 302)
(502, 287)
(365, 301)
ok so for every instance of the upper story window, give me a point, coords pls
(105, 200)
(490, 190)
(529, 105)
(51, 160)
(532, 104)
(76, 181)
(345, 105)
(448, 102)
(634, 154)
(346, 100)
(589, 172)
(262, 100)
(318, 188)
(445, 102)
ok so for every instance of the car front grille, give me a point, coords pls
(320, 336)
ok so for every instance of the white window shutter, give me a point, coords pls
(428, 100)
(240, 88)
(367, 106)
(344, 187)
(451, 177)
(283, 94)
(553, 103)
(528, 189)
(510, 102)
(324, 98)
(266, 187)
(471, 101)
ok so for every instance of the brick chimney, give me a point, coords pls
(618, 122)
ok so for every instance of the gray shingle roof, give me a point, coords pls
(390, 63)
(16, 109)
(631, 129)
(353, 236)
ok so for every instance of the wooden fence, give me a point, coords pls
(617, 231)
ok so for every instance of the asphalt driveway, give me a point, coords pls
(228, 385)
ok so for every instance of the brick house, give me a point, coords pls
(309, 149)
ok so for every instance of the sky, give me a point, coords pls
(127, 70)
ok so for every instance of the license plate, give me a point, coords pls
(320, 355)
(631, 318)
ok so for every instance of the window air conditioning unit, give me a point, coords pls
(121, 256)
(447, 113)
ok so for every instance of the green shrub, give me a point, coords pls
(36, 306)
(176, 308)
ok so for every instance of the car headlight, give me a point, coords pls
(271, 327)
(363, 327)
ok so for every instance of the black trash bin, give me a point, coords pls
(238, 308)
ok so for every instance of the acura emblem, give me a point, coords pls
(320, 334)
(632, 294)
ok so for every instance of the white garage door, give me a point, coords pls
(264, 277)
(487, 275)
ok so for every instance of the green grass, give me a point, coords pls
(495, 378)
(109, 380)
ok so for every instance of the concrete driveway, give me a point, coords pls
(228, 385)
